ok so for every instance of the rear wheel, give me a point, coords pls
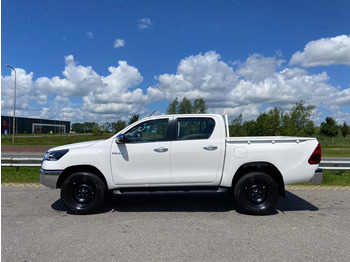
(256, 193)
(83, 193)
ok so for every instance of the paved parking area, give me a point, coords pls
(310, 225)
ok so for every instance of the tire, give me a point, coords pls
(256, 193)
(83, 193)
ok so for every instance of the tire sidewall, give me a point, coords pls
(71, 184)
(248, 204)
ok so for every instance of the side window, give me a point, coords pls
(194, 128)
(150, 131)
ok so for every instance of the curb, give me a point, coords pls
(22, 185)
(317, 187)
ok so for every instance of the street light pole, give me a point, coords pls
(14, 108)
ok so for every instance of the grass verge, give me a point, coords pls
(333, 178)
(51, 140)
(31, 175)
(20, 175)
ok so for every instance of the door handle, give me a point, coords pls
(161, 150)
(210, 148)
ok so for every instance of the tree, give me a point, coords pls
(133, 119)
(107, 127)
(120, 125)
(236, 127)
(78, 127)
(268, 124)
(185, 107)
(88, 126)
(96, 130)
(344, 130)
(329, 128)
(198, 106)
(173, 107)
(249, 128)
(297, 121)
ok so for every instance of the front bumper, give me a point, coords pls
(49, 177)
(317, 179)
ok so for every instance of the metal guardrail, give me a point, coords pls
(21, 162)
(36, 162)
(335, 165)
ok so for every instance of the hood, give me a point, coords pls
(75, 145)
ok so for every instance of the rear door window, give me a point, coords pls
(194, 128)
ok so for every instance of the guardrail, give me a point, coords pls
(36, 162)
(335, 165)
(21, 162)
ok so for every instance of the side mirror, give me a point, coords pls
(120, 139)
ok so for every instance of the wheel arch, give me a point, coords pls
(80, 168)
(265, 167)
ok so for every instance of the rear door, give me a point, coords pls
(197, 152)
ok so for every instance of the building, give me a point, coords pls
(33, 125)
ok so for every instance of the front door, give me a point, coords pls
(144, 158)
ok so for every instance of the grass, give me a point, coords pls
(335, 146)
(31, 175)
(335, 152)
(20, 175)
(334, 142)
(333, 178)
(51, 140)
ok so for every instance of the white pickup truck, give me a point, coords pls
(177, 153)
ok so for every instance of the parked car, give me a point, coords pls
(181, 152)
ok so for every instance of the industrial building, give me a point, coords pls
(33, 126)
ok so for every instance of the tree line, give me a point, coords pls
(108, 127)
(296, 122)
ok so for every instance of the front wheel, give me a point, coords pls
(256, 193)
(83, 193)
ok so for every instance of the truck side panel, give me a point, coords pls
(290, 157)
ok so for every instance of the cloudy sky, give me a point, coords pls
(107, 60)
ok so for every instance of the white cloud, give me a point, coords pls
(90, 35)
(257, 83)
(114, 95)
(257, 67)
(324, 52)
(119, 43)
(145, 23)
(79, 80)
(59, 98)
(197, 76)
(26, 92)
(81, 94)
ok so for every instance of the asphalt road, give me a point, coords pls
(310, 225)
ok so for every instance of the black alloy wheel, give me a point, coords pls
(83, 193)
(256, 193)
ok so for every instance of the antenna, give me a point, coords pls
(152, 113)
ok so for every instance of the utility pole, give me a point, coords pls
(14, 107)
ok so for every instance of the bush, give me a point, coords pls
(329, 128)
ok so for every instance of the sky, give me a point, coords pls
(105, 60)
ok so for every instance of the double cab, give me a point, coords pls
(181, 152)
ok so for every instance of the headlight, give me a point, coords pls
(54, 155)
